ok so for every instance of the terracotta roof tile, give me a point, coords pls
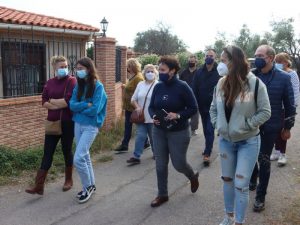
(14, 16)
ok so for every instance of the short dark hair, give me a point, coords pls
(171, 62)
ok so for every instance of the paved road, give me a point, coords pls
(124, 194)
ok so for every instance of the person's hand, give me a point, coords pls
(285, 134)
(155, 121)
(123, 86)
(171, 116)
(139, 110)
(90, 104)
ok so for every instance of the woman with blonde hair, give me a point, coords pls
(134, 72)
(283, 62)
(55, 98)
(140, 101)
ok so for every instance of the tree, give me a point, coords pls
(158, 41)
(284, 40)
(220, 43)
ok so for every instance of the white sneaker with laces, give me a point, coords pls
(275, 155)
(282, 160)
(194, 133)
(228, 220)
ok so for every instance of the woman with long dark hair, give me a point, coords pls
(88, 104)
(240, 105)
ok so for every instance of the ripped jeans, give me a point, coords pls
(237, 163)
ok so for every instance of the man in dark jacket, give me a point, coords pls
(188, 75)
(281, 96)
(205, 81)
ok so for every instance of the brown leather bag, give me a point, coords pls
(135, 116)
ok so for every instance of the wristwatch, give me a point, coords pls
(177, 116)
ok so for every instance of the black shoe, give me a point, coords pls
(147, 145)
(86, 195)
(121, 149)
(252, 186)
(258, 206)
(81, 192)
(133, 161)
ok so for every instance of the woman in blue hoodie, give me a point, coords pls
(88, 104)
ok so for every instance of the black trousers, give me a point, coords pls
(263, 170)
(51, 142)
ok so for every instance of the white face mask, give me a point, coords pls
(222, 69)
(150, 76)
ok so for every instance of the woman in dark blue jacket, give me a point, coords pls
(171, 105)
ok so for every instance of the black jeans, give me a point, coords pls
(209, 132)
(51, 142)
(264, 170)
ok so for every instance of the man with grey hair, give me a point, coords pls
(188, 75)
(281, 98)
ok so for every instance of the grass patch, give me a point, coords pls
(15, 163)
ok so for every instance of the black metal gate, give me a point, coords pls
(118, 64)
(23, 67)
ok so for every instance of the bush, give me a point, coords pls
(148, 59)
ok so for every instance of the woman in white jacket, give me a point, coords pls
(240, 105)
(142, 93)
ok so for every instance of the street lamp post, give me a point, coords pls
(104, 24)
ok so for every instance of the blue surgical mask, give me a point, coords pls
(62, 72)
(260, 63)
(164, 77)
(279, 66)
(81, 73)
(150, 76)
(209, 60)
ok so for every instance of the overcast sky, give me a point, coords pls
(195, 22)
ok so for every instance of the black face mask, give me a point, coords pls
(191, 64)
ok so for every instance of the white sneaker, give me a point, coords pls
(228, 220)
(282, 160)
(275, 155)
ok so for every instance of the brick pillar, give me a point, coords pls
(105, 51)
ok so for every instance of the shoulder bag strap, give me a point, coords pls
(256, 91)
(147, 95)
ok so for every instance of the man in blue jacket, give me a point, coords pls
(281, 97)
(205, 81)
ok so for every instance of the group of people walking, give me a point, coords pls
(249, 110)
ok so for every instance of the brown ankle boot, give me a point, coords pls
(40, 178)
(68, 178)
(194, 182)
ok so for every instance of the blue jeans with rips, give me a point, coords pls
(237, 163)
(84, 137)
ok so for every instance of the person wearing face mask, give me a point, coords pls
(205, 81)
(141, 99)
(172, 104)
(188, 75)
(237, 114)
(135, 76)
(88, 104)
(55, 98)
(283, 62)
(280, 92)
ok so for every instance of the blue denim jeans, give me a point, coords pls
(142, 131)
(209, 132)
(84, 137)
(237, 163)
